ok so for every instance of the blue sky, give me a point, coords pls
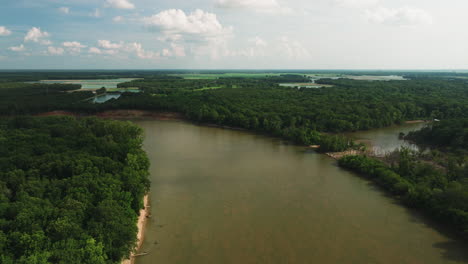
(233, 34)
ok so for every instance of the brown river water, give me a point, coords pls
(230, 197)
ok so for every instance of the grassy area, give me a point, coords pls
(209, 88)
(128, 89)
(227, 75)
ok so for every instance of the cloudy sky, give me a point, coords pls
(233, 34)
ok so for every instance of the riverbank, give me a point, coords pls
(142, 220)
(416, 121)
(121, 114)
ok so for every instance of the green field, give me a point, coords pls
(213, 76)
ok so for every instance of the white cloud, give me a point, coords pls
(36, 35)
(108, 48)
(94, 50)
(73, 46)
(404, 16)
(258, 41)
(64, 10)
(176, 50)
(175, 21)
(140, 52)
(55, 51)
(96, 13)
(17, 48)
(118, 19)
(4, 31)
(293, 49)
(356, 3)
(106, 44)
(120, 4)
(264, 6)
(199, 32)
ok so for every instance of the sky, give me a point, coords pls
(233, 34)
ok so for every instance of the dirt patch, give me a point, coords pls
(139, 114)
(58, 113)
(415, 121)
(121, 114)
(142, 219)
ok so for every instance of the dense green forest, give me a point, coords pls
(450, 134)
(36, 176)
(70, 190)
(302, 115)
(18, 98)
(305, 116)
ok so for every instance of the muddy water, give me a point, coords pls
(221, 196)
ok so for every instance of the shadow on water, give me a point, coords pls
(453, 251)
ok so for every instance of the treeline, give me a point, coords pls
(70, 190)
(451, 134)
(436, 192)
(24, 98)
(299, 115)
(305, 116)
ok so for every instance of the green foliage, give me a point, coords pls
(24, 98)
(450, 133)
(70, 190)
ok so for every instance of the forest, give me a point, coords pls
(304, 116)
(17, 98)
(450, 135)
(70, 189)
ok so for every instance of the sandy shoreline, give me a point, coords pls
(415, 121)
(142, 219)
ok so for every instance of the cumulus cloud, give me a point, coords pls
(106, 47)
(405, 16)
(264, 6)
(258, 41)
(17, 48)
(64, 10)
(36, 35)
(293, 49)
(4, 31)
(94, 50)
(96, 13)
(118, 19)
(199, 31)
(176, 21)
(73, 46)
(106, 44)
(356, 3)
(120, 4)
(141, 53)
(55, 51)
(176, 50)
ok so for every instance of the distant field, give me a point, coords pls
(209, 88)
(91, 84)
(228, 75)
(306, 85)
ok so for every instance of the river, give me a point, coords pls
(230, 197)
